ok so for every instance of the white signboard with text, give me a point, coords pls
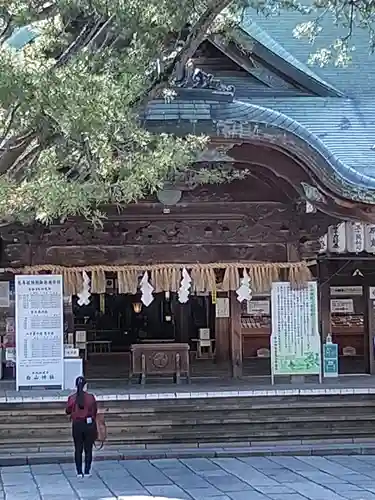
(342, 306)
(258, 307)
(295, 339)
(39, 331)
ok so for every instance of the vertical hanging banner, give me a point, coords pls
(295, 339)
(39, 331)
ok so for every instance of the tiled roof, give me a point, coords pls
(260, 35)
(346, 126)
(21, 37)
(340, 124)
(332, 127)
(357, 79)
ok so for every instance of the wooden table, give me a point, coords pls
(160, 359)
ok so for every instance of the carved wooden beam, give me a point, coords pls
(261, 234)
(87, 255)
(220, 222)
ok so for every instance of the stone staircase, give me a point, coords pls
(204, 422)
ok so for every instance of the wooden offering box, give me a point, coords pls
(160, 359)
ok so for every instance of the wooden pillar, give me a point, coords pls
(324, 300)
(183, 314)
(235, 336)
(292, 253)
(222, 331)
(370, 312)
(68, 317)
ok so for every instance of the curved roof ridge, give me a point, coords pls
(262, 37)
(349, 176)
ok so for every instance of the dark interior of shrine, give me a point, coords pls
(113, 322)
(119, 320)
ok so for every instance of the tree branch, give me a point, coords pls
(99, 32)
(27, 158)
(6, 30)
(84, 37)
(8, 126)
(9, 155)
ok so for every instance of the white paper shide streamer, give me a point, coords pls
(85, 294)
(146, 289)
(244, 292)
(184, 290)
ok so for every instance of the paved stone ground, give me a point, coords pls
(257, 478)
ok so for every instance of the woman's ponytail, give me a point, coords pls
(80, 395)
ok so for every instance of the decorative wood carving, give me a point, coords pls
(268, 151)
(252, 188)
(211, 223)
(315, 225)
(263, 224)
(225, 232)
(152, 254)
(309, 249)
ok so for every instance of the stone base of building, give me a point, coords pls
(205, 416)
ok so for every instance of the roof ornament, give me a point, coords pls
(310, 208)
(196, 78)
(312, 193)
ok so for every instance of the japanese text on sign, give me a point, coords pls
(295, 341)
(39, 331)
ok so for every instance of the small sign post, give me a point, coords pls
(330, 360)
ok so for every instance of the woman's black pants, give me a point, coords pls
(84, 436)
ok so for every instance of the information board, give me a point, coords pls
(39, 331)
(295, 339)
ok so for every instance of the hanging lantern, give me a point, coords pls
(323, 241)
(337, 238)
(169, 197)
(355, 237)
(369, 231)
(137, 307)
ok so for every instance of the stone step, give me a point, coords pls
(192, 417)
(155, 404)
(198, 420)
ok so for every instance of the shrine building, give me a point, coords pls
(194, 265)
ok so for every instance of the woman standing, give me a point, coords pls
(83, 409)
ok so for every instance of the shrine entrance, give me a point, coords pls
(174, 274)
(211, 313)
(113, 322)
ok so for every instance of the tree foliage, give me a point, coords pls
(71, 102)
